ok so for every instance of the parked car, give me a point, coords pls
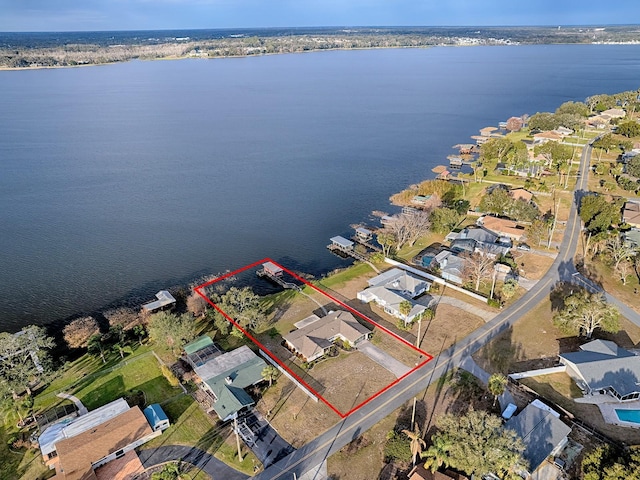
(524, 247)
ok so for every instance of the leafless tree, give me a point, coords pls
(619, 251)
(124, 317)
(78, 332)
(408, 227)
(196, 304)
(623, 270)
(478, 267)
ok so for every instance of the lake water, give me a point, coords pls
(120, 180)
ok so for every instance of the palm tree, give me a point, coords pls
(417, 443)
(496, 385)
(438, 453)
(405, 308)
(269, 373)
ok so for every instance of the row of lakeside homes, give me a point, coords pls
(79, 448)
(393, 287)
(224, 376)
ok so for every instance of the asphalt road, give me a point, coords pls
(354, 425)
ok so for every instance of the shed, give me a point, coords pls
(156, 417)
(272, 269)
(364, 233)
(342, 242)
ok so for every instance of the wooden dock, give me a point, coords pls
(350, 252)
(262, 273)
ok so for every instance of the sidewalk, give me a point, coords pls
(82, 410)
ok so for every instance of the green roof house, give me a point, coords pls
(225, 377)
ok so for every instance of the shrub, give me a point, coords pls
(168, 374)
(493, 302)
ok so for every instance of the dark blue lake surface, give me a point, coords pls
(120, 180)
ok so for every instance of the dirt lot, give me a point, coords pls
(533, 266)
(449, 325)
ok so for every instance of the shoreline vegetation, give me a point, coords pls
(19, 51)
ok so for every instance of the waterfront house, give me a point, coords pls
(451, 266)
(316, 335)
(543, 433)
(631, 214)
(614, 113)
(401, 281)
(390, 302)
(164, 299)
(547, 136)
(223, 376)
(77, 447)
(503, 227)
(603, 368)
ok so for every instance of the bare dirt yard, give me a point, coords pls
(533, 266)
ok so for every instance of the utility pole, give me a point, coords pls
(419, 325)
(235, 428)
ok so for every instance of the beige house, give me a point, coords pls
(631, 214)
(503, 227)
(315, 335)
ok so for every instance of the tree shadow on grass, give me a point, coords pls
(501, 353)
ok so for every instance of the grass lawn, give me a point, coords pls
(80, 373)
(409, 251)
(140, 374)
(191, 426)
(604, 275)
(25, 464)
(339, 279)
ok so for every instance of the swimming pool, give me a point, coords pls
(632, 416)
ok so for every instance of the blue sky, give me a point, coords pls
(66, 15)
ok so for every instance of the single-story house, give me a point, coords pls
(503, 227)
(631, 214)
(164, 298)
(486, 241)
(521, 194)
(614, 113)
(390, 302)
(225, 376)
(76, 447)
(451, 266)
(314, 339)
(548, 136)
(602, 367)
(401, 281)
(542, 432)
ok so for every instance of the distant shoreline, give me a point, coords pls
(30, 51)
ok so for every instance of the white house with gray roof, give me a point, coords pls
(401, 282)
(602, 367)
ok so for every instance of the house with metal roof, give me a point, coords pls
(315, 335)
(156, 417)
(77, 447)
(542, 432)
(451, 266)
(164, 298)
(602, 367)
(401, 281)
(225, 376)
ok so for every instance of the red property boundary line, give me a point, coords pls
(428, 357)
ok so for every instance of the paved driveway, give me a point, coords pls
(264, 441)
(213, 467)
(383, 358)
